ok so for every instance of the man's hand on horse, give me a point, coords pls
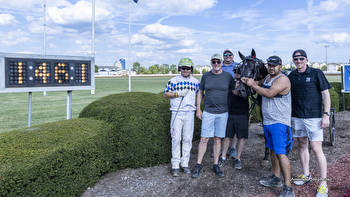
(248, 81)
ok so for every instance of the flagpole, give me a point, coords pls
(44, 36)
(128, 61)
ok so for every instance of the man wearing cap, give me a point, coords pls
(215, 84)
(237, 123)
(182, 91)
(276, 111)
(309, 94)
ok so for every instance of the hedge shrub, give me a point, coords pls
(338, 87)
(140, 125)
(55, 159)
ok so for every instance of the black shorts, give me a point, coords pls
(237, 125)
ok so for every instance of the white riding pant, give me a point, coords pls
(182, 129)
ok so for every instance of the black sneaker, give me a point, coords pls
(222, 162)
(217, 170)
(287, 192)
(175, 172)
(271, 181)
(232, 153)
(237, 164)
(186, 170)
(197, 171)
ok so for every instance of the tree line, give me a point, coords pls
(158, 69)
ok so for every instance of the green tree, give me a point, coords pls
(324, 68)
(96, 68)
(204, 71)
(136, 67)
(142, 70)
(164, 69)
(195, 71)
(154, 69)
(173, 69)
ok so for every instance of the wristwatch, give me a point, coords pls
(327, 113)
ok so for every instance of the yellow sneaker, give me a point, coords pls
(322, 191)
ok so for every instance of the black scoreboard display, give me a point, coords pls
(27, 73)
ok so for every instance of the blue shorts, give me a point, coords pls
(214, 124)
(278, 137)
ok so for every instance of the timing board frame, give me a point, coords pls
(63, 73)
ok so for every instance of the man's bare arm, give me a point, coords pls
(280, 86)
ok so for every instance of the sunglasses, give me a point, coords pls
(186, 68)
(273, 60)
(216, 61)
(228, 54)
(300, 58)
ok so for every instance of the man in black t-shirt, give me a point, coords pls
(237, 125)
(309, 88)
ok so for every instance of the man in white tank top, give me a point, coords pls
(276, 110)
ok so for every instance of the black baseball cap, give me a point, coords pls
(301, 51)
(274, 60)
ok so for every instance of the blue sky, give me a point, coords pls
(163, 31)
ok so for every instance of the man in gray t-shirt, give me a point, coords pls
(216, 85)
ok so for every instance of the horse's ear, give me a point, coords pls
(253, 54)
(241, 55)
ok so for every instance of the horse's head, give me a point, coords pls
(250, 67)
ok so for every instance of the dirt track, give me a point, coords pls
(157, 181)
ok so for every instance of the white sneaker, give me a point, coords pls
(302, 180)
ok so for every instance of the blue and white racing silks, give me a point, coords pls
(179, 83)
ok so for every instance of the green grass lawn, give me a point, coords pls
(53, 106)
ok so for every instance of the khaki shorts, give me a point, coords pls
(310, 127)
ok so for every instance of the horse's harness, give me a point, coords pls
(251, 71)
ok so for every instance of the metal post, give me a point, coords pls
(69, 104)
(128, 61)
(29, 108)
(326, 46)
(93, 30)
(93, 35)
(44, 35)
(342, 86)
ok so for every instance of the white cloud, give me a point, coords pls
(143, 39)
(179, 6)
(167, 32)
(20, 4)
(6, 19)
(336, 38)
(14, 38)
(75, 13)
(329, 5)
(246, 15)
(189, 51)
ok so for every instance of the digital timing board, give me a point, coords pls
(30, 73)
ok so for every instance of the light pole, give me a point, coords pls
(326, 46)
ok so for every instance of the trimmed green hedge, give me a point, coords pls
(337, 89)
(55, 159)
(140, 125)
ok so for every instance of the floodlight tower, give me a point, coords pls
(326, 46)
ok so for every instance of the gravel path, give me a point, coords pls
(157, 180)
